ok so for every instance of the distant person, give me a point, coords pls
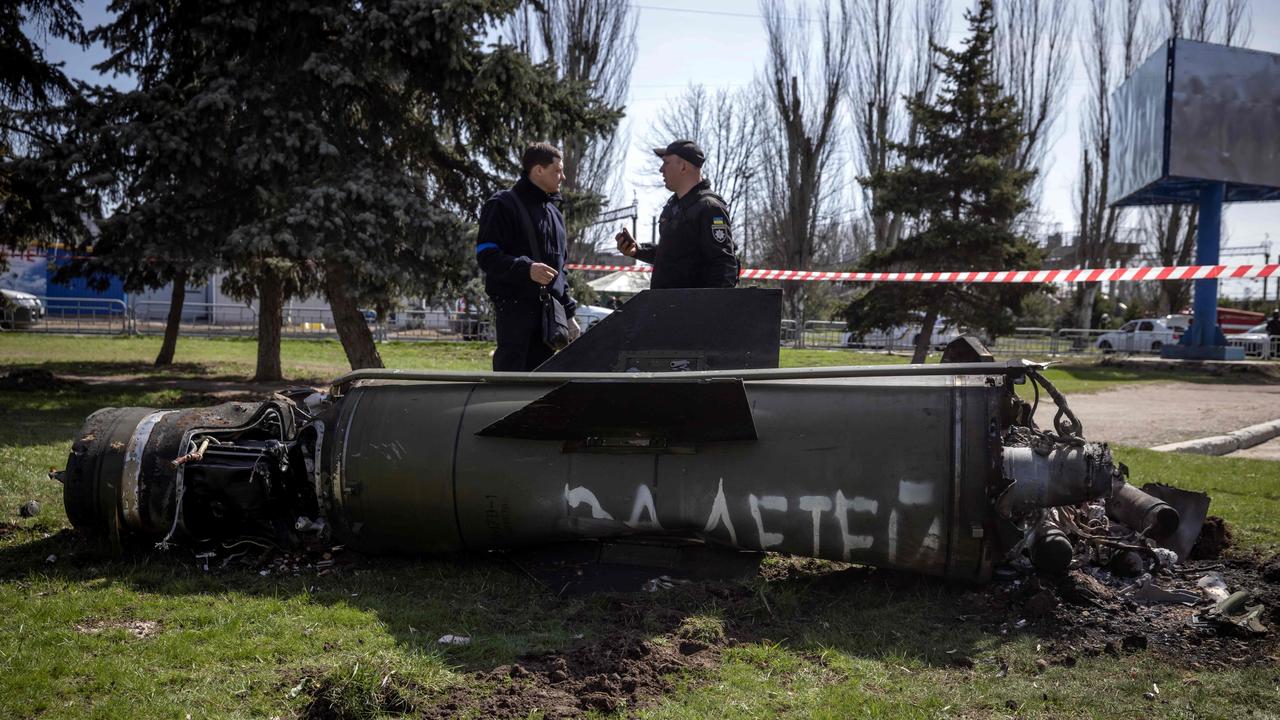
(695, 240)
(513, 279)
(1273, 325)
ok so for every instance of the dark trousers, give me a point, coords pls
(519, 330)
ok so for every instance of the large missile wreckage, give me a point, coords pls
(937, 468)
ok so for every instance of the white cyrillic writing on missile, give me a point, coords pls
(853, 516)
(768, 502)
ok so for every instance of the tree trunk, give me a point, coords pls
(793, 302)
(171, 324)
(925, 338)
(880, 226)
(270, 304)
(1084, 309)
(357, 341)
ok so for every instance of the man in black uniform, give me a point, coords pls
(512, 278)
(695, 242)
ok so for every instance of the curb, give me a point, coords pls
(1226, 444)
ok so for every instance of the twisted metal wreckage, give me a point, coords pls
(939, 469)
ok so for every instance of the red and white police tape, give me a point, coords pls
(1176, 272)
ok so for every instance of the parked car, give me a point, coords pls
(905, 336)
(588, 315)
(1146, 335)
(895, 337)
(19, 309)
(1256, 342)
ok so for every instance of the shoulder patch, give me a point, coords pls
(720, 233)
(718, 220)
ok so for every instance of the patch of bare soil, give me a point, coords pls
(1215, 539)
(195, 391)
(622, 671)
(606, 676)
(138, 628)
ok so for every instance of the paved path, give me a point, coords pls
(1155, 414)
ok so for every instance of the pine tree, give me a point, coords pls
(33, 90)
(334, 146)
(954, 183)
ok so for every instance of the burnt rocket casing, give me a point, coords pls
(896, 467)
(885, 471)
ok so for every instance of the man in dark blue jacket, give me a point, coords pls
(513, 279)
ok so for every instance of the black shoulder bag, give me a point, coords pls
(555, 324)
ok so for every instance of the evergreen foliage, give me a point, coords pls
(32, 90)
(955, 184)
(334, 146)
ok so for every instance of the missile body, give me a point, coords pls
(898, 467)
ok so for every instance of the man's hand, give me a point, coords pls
(542, 274)
(626, 244)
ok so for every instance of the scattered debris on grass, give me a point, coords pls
(1181, 616)
(29, 509)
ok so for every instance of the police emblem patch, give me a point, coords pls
(720, 234)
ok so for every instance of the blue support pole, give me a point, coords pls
(1208, 242)
(1204, 339)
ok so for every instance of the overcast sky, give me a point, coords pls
(721, 44)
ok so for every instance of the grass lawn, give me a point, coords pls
(86, 635)
(317, 361)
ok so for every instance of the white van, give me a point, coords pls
(1147, 335)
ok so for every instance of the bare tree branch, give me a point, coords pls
(591, 42)
(726, 125)
(1033, 51)
(806, 82)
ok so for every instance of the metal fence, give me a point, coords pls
(232, 320)
(148, 317)
(426, 325)
(73, 316)
(822, 334)
(1256, 347)
(1024, 341)
(198, 319)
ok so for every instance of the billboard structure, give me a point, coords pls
(1196, 123)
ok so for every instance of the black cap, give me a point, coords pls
(685, 150)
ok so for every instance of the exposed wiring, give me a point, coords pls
(1069, 428)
